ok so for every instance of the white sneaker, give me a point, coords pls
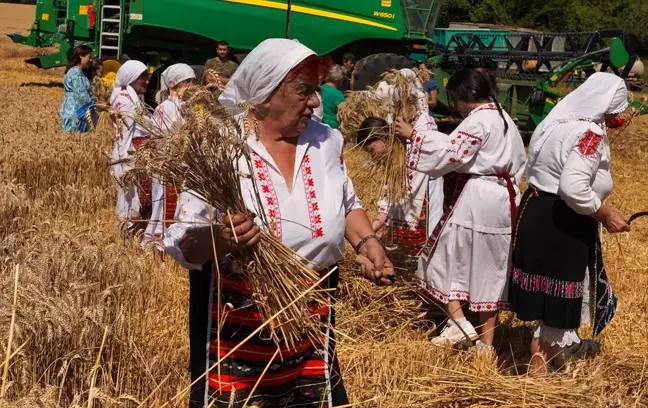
(452, 335)
(485, 350)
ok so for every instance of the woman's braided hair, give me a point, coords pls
(475, 85)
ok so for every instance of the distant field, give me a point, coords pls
(16, 17)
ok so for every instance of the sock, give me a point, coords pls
(461, 321)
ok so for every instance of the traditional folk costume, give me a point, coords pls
(409, 219)
(557, 262)
(132, 202)
(467, 255)
(166, 117)
(310, 219)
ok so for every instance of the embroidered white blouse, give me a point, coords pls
(167, 113)
(419, 186)
(130, 129)
(478, 147)
(165, 117)
(310, 219)
(575, 163)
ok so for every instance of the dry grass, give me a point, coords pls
(77, 276)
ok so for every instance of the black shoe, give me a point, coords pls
(587, 348)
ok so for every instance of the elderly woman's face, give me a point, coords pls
(141, 83)
(293, 104)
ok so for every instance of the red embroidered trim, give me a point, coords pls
(158, 117)
(431, 124)
(268, 190)
(544, 284)
(589, 143)
(311, 199)
(171, 194)
(462, 295)
(488, 106)
(468, 135)
(414, 157)
(145, 189)
(464, 142)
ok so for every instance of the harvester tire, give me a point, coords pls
(369, 69)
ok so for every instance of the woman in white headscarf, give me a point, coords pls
(309, 199)
(556, 252)
(130, 83)
(167, 114)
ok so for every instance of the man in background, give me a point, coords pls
(348, 61)
(221, 64)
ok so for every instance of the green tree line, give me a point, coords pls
(554, 15)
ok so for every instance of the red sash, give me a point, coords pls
(145, 196)
(171, 193)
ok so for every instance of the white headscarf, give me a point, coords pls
(262, 71)
(387, 91)
(175, 74)
(418, 92)
(127, 74)
(408, 73)
(602, 94)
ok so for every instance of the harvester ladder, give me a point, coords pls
(110, 34)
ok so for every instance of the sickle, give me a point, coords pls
(637, 215)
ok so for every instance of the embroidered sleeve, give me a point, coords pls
(588, 144)
(191, 212)
(414, 149)
(436, 154)
(578, 173)
(158, 117)
(127, 113)
(127, 119)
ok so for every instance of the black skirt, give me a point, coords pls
(552, 248)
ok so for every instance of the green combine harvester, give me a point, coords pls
(532, 67)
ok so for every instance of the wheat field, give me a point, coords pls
(98, 322)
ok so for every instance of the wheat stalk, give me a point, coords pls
(95, 369)
(5, 369)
